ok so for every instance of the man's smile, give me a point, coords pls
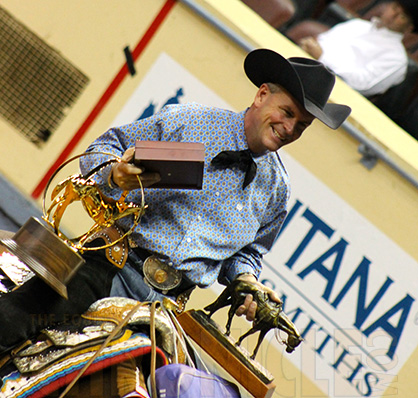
(275, 132)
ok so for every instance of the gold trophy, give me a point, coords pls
(46, 250)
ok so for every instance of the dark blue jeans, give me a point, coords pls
(129, 282)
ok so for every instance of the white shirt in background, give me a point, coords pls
(367, 58)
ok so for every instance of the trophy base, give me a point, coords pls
(235, 360)
(45, 254)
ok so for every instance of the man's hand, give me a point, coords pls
(311, 46)
(125, 174)
(249, 308)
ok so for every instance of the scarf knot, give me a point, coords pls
(240, 159)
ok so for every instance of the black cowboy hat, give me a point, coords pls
(309, 81)
(411, 8)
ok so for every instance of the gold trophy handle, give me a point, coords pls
(103, 210)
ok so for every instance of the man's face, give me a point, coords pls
(395, 18)
(275, 120)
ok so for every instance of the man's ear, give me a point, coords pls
(261, 95)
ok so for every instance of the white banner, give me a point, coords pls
(348, 288)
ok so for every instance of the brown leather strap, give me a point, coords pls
(118, 253)
(153, 349)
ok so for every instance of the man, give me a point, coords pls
(368, 55)
(220, 232)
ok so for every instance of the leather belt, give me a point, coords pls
(143, 254)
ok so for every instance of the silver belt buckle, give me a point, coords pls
(159, 275)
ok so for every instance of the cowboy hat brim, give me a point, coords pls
(266, 66)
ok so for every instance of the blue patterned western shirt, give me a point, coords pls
(219, 231)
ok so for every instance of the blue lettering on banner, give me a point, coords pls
(391, 321)
(346, 364)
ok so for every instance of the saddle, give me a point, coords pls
(55, 358)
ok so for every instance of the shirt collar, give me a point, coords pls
(241, 139)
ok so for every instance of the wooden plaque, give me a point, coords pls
(249, 373)
(180, 164)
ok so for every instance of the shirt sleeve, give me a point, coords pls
(248, 259)
(375, 77)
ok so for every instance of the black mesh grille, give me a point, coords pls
(38, 86)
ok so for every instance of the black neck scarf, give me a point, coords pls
(241, 159)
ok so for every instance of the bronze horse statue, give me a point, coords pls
(269, 314)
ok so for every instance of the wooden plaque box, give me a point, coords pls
(180, 164)
(248, 372)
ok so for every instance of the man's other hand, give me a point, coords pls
(249, 308)
(125, 174)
